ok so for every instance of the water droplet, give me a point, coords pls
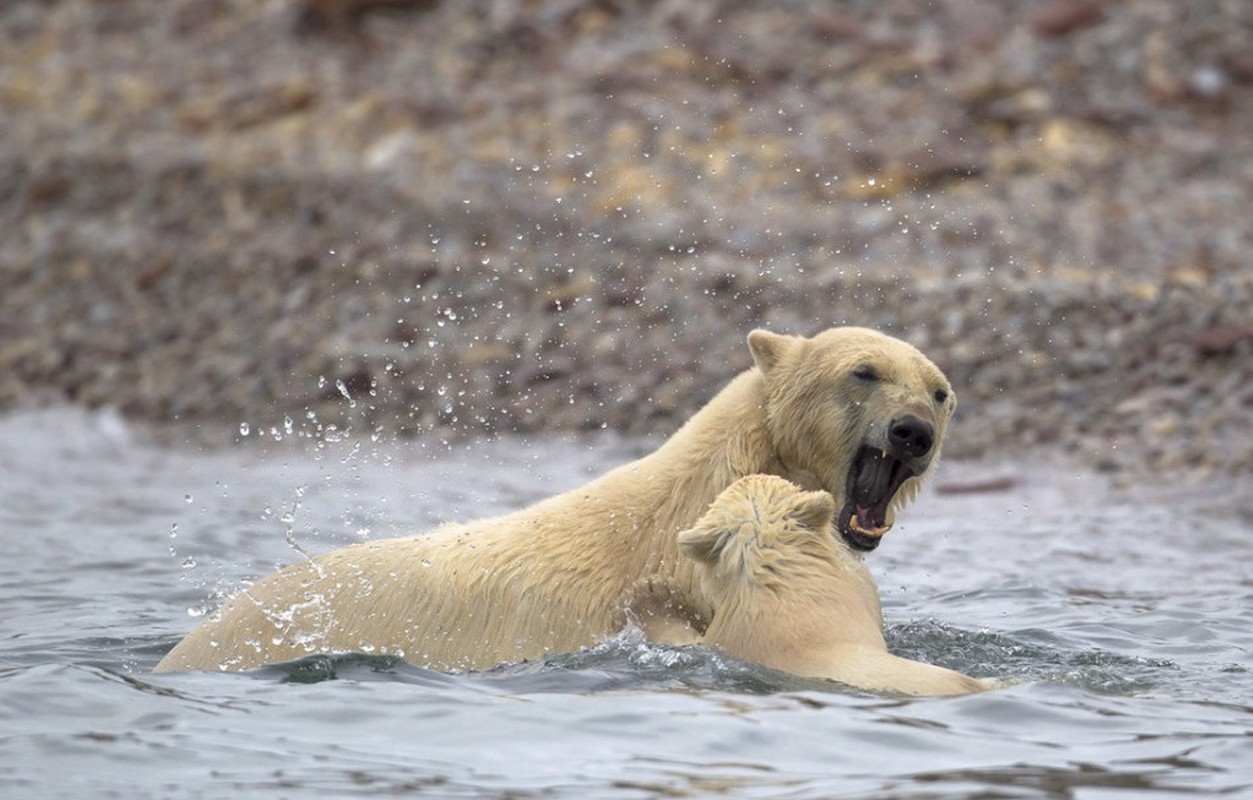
(343, 389)
(244, 429)
(189, 562)
(188, 498)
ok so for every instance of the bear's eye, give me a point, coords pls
(866, 373)
(941, 395)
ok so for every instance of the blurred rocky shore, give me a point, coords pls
(240, 218)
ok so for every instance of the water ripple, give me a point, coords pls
(1127, 653)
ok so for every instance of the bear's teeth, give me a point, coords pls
(855, 524)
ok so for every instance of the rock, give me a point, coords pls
(1062, 17)
(1221, 340)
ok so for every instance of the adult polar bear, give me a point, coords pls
(851, 411)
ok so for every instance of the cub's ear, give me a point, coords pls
(704, 543)
(814, 510)
(769, 349)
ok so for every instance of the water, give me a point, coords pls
(1125, 618)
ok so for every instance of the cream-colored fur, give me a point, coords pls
(546, 578)
(789, 595)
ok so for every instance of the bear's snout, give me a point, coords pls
(910, 438)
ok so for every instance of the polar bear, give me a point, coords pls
(786, 594)
(851, 411)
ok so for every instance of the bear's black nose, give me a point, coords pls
(910, 437)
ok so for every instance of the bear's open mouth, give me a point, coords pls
(872, 483)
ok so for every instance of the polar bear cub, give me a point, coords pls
(791, 596)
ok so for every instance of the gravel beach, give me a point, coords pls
(482, 217)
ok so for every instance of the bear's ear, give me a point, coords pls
(703, 543)
(768, 349)
(814, 510)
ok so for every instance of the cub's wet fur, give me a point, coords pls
(789, 595)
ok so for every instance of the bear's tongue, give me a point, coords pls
(872, 483)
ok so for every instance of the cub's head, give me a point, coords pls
(761, 531)
(861, 412)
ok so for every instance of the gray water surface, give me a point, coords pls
(1124, 617)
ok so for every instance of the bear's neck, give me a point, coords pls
(668, 490)
(725, 440)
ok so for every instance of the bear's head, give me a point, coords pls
(861, 412)
(762, 532)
